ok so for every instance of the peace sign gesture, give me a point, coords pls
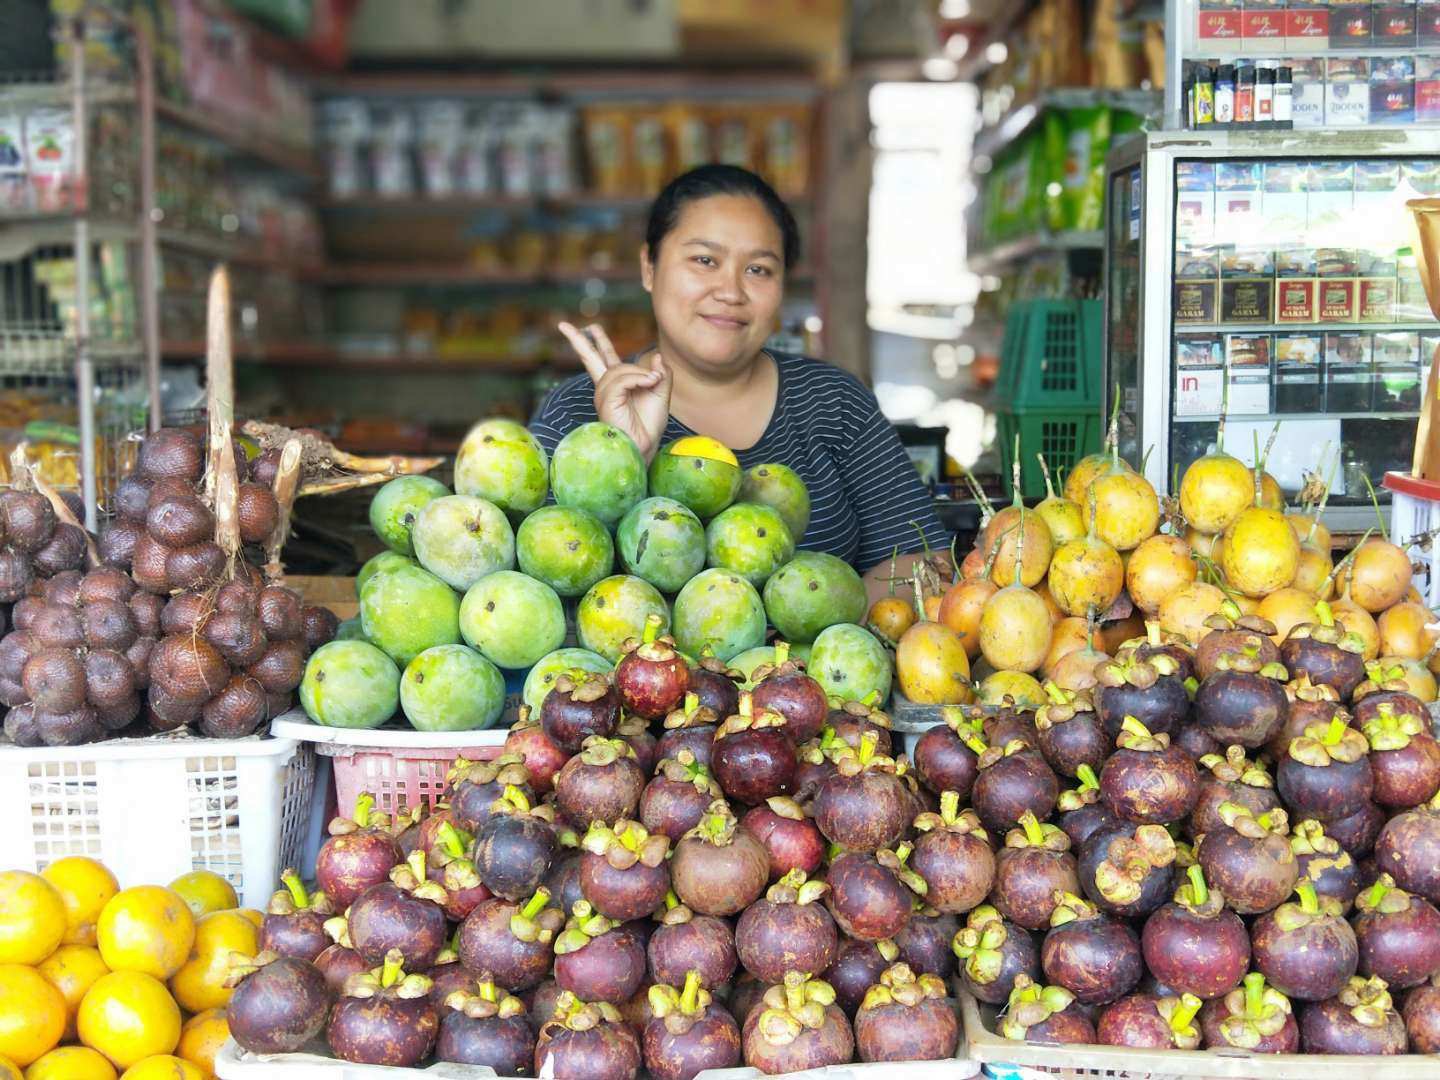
(633, 397)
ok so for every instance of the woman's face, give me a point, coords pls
(717, 284)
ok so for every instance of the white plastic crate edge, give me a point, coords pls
(232, 1063)
(1412, 516)
(147, 838)
(296, 725)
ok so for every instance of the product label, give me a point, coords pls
(1307, 28)
(1377, 299)
(1245, 301)
(1427, 24)
(1350, 25)
(1347, 93)
(1195, 301)
(1427, 87)
(1337, 299)
(1295, 300)
(1220, 31)
(1248, 356)
(1394, 24)
(1263, 30)
(1199, 391)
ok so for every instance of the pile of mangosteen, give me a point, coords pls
(154, 626)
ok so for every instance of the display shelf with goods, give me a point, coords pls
(1275, 280)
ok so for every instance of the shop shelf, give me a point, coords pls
(1021, 118)
(995, 259)
(158, 807)
(265, 148)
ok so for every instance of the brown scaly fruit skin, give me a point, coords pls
(905, 1018)
(1333, 1027)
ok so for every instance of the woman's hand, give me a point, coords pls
(633, 397)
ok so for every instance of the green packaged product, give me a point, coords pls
(1052, 137)
(1036, 174)
(1087, 142)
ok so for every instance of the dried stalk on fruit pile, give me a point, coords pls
(325, 469)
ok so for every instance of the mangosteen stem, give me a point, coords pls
(1309, 903)
(1152, 633)
(949, 806)
(1334, 731)
(1186, 1010)
(652, 629)
(1324, 613)
(1199, 891)
(794, 990)
(1086, 775)
(747, 706)
(690, 996)
(393, 969)
(1055, 694)
(871, 699)
(868, 742)
(692, 702)
(782, 652)
(364, 804)
(292, 882)
(448, 840)
(486, 990)
(416, 861)
(536, 903)
(1377, 893)
(1033, 832)
(1254, 993)
(1134, 727)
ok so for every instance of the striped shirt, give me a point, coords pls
(864, 490)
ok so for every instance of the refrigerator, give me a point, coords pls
(1269, 276)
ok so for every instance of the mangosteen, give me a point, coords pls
(651, 677)
(993, 951)
(528, 742)
(952, 854)
(1255, 1017)
(925, 942)
(798, 1026)
(688, 1032)
(405, 914)
(1147, 780)
(587, 1040)
(1243, 702)
(1013, 780)
(690, 727)
(514, 845)
(1386, 687)
(857, 966)
(675, 800)
(1231, 777)
(279, 1004)
(1306, 948)
(294, 923)
(578, 706)
(1147, 1022)
(1325, 652)
(1070, 732)
(943, 759)
(852, 719)
(787, 930)
(1080, 810)
(510, 942)
(1034, 865)
(718, 868)
(597, 959)
(623, 872)
(1194, 944)
(715, 684)
(753, 757)
(1325, 864)
(905, 1017)
(601, 783)
(1010, 721)
(1408, 849)
(476, 786)
(455, 873)
(864, 806)
(1232, 633)
(871, 895)
(359, 853)
(1249, 859)
(1398, 933)
(814, 764)
(686, 942)
(790, 837)
(1127, 870)
(1095, 957)
(1042, 1015)
(1148, 688)
(1422, 1017)
(783, 687)
(1326, 772)
(338, 962)
(1404, 757)
(384, 1017)
(1361, 1019)
(1358, 832)
(486, 1026)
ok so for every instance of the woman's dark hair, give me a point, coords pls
(710, 180)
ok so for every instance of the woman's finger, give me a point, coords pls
(595, 363)
(602, 341)
(617, 384)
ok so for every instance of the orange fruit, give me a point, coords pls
(256, 917)
(205, 891)
(32, 1014)
(86, 886)
(32, 917)
(147, 929)
(71, 1063)
(129, 1016)
(200, 982)
(201, 1039)
(72, 969)
(9, 1070)
(162, 1067)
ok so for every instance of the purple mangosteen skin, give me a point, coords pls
(1327, 793)
(945, 763)
(772, 939)
(924, 944)
(713, 1042)
(831, 1044)
(1098, 960)
(505, 1044)
(348, 865)
(1402, 948)
(512, 854)
(622, 894)
(857, 966)
(383, 1030)
(585, 793)
(337, 963)
(755, 764)
(1326, 1027)
(1156, 887)
(1081, 740)
(1005, 790)
(1064, 1027)
(1026, 880)
(385, 917)
(791, 844)
(1408, 849)
(609, 1051)
(651, 688)
(1019, 956)
(568, 723)
(1311, 963)
(487, 945)
(716, 692)
(1422, 1019)
(959, 869)
(928, 1031)
(610, 968)
(1238, 707)
(798, 698)
(1189, 953)
(301, 935)
(1160, 708)
(672, 807)
(867, 901)
(698, 739)
(279, 1008)
(1134, 1022)
(1357, 833)
(865, 812)
(704, 944)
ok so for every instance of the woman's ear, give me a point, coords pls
(647, 268)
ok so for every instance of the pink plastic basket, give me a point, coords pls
(399, 777)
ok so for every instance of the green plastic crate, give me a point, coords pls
(1064, 436)
(1050, 357)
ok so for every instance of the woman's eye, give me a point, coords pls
(704, 260)
(761, 271)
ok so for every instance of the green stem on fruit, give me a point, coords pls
(868, 742)
(296, 887)
(1045, 472)
(1185, 1012)
(364, 806)
(949, 806)
(1375, 502)
(1377, 893)
(954, 562)
(392, 969)
(1258, 472)
(1112, 431)
(871, 699)
(924, 540)
(1033, 833)
(1152, 633)
(487, 991)
(416, 861)
(919, 598)
(747, 706)
(652, 628)
(1335, 731)
(692, 702)
(1020, 544)
(690, 996)
(1324, 498)
(1254, 993)
(536, 903)
(1325, 613)
(894, 558)
(1134, 727)
(794, 990)
(1086, 775)
(1055, 694)
(448, 840)
(1199, 890)
(1309, 902)
(782, 652)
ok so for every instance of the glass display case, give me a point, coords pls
(1269, 276)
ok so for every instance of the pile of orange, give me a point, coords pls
(103, 983)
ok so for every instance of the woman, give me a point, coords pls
(718, 245)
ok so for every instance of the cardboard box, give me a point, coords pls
(1263, 27)
(1308, 95)
(1307, 27)
(1427, 22)
(1393, 25)
(1247, 363)
(1349, 373)
(1427, 87)
(1397, 372)
(1392, 90)
(1296, 300)
(1377, 299)
(1338, 300)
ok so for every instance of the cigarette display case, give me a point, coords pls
(1269, 276)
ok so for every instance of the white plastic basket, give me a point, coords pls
(153, 809)
(1415, 513)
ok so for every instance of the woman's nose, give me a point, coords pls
(731, 288)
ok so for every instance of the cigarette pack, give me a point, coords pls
(1347, 90)
(1377, 299)
(1350, 24)
(1246, 300)
(1247, 359)
(1298, 388)
(1338, 299)
(1392, 90)
(1219, 27)
(1196, 301)
(1307, 26)
(1295, 300)
(1349, 373)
